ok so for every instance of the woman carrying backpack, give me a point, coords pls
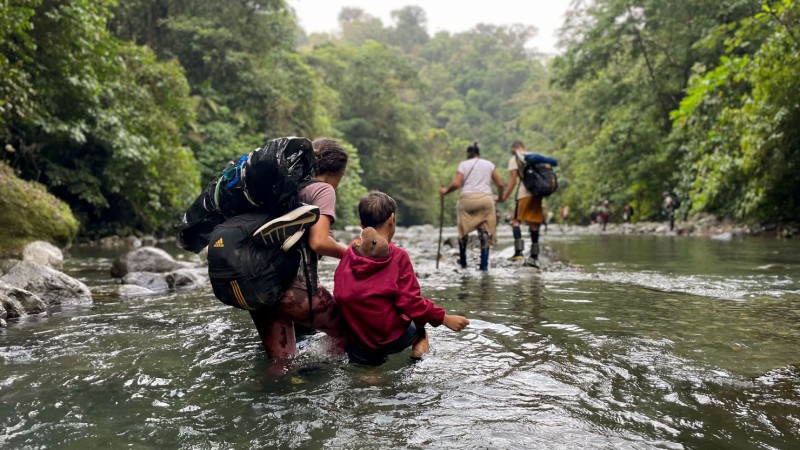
(276, 326)
(476, 210)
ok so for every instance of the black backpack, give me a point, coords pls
(538, 177)
(250, 275)
(266, 179)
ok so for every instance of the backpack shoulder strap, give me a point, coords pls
(470, 171)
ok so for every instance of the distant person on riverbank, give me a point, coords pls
(563, 213)
(627, 213)
(276, 327)
(668, 207)
(604, 214)
(476, 209)
(548, 218)
(528, 208)
(378, 292)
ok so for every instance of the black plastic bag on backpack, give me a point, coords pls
(268, 178)
(199, 220)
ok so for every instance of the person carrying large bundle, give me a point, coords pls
(476, 210)
(266, 219)
(537, 180)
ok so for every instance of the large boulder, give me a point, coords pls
(29, 213)
(152, 281)
(18, 302)
(50, 285)
(44, 253)
(145, 259)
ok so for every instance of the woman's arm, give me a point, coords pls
(321, 241)
(457, 181)
(499, 183)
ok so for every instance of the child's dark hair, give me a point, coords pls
(473, 150)
(517, 144)
(329, 157)
(375, 208)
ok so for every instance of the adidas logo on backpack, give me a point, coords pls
(219, 243)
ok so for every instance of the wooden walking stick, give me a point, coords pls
(441, 224)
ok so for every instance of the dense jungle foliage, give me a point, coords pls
(123, 109)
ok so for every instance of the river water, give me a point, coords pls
(640, 342)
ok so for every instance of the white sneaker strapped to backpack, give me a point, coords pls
(287, 229)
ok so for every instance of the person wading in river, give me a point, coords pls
(476, 210)
(528, 208)
(276, 328)
(378, 291)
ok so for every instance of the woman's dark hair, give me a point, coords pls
(329, 157)
(375, 208)
(473, 150)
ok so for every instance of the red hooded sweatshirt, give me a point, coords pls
(379, 298)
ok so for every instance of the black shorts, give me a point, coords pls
(374, 357)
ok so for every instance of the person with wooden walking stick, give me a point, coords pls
(475, 207)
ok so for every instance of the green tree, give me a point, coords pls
(247, 82)
(101, 121)
(359, 27)
(369, 111)
(739, 124)
(410, 31)
(626, 67)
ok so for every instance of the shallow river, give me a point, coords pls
(642, 342)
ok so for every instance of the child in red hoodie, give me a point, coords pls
(378, 292)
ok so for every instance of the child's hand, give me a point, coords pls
(455, 323)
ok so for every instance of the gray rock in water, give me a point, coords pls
(145, 259)
(185, 278)
(133, 242)
(153, 281)
(131, 290)
(149, 241)
(18, 302)
(722, 237)
(44, 253)
(7, 264)
(49, 284)
(110, 242)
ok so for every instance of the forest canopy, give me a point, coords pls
(123, 109)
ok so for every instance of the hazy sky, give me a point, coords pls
(449, 15)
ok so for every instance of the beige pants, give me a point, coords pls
(476, 211)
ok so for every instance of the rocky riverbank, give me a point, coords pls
(701, 226)
(33, 284)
